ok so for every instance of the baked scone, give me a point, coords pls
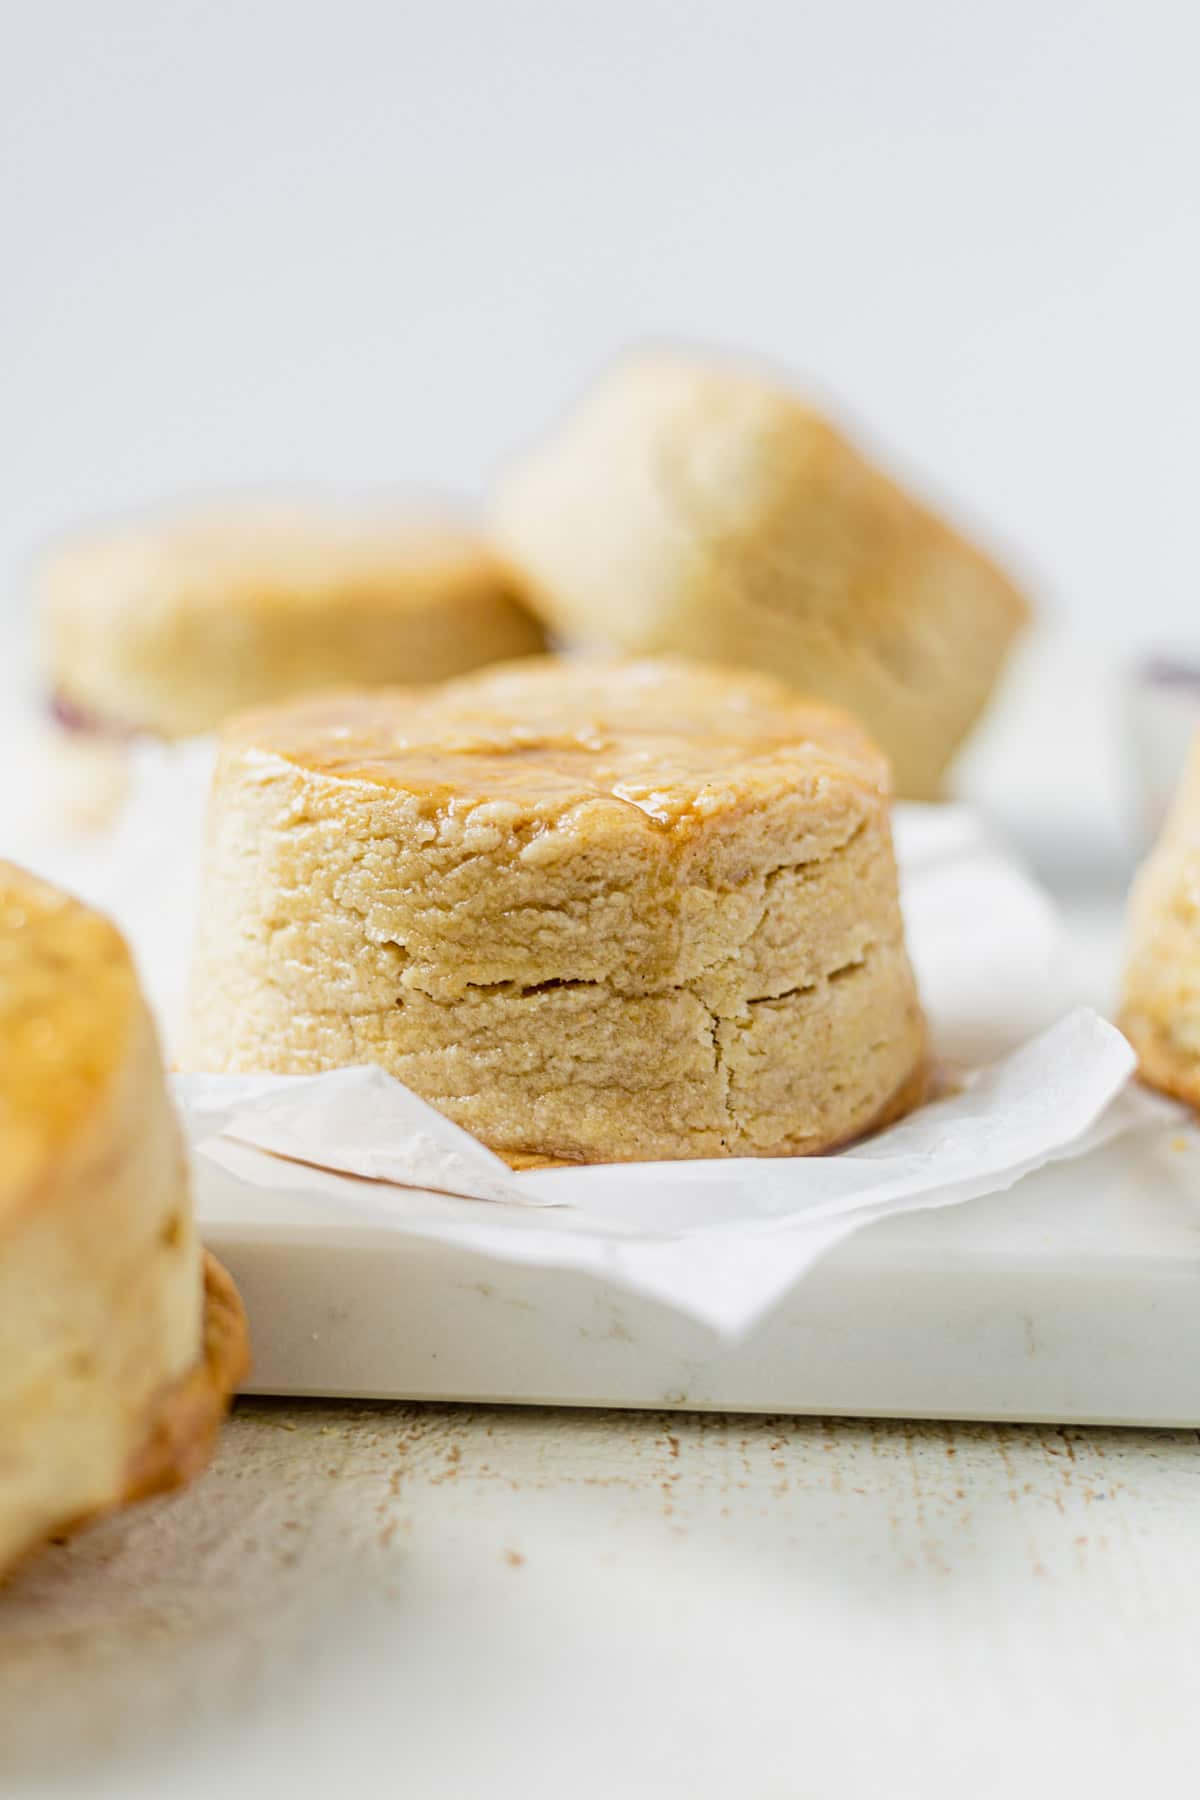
(165, 628)
(593, 911)
(119, 1343)
(1160, 1012)
(687, 506)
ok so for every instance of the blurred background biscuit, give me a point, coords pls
(689, 506)
(164, 628)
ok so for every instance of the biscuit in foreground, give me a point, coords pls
(688, 506)
(591, 911)
(120, 1345)
(1160, 1009)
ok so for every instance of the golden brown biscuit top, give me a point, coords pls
(67, 994)
(673, 740)
(288, 553)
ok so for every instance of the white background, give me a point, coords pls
(376, 242)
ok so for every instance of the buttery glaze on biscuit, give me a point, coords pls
(594, 911)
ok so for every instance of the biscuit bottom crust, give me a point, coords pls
(578, 1074)
(184, 1425)
(918, 1087)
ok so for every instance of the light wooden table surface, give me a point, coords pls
(455, 1601)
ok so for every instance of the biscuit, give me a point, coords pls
(119, 1348)
(689, 507)
(592, 911)
(1160, 1010)
(165, 629)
